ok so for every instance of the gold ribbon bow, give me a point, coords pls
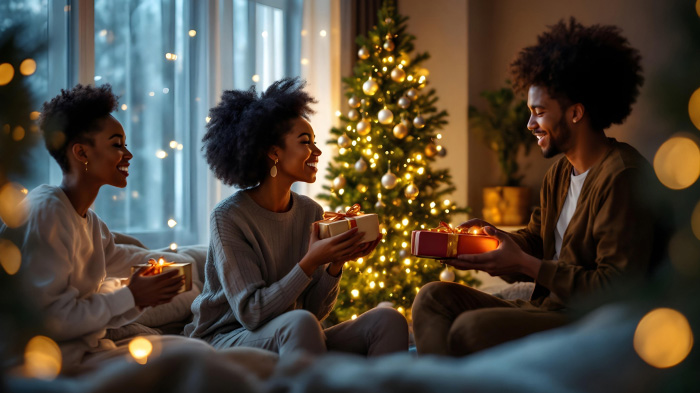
(353, 211)
(452, 237)
(159, 265)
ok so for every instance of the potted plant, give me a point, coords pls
(502, 127)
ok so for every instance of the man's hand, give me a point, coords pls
(508, 258)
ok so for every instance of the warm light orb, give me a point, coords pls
(42, 358)
(677, 163)
(256, 78)
(161, 154)
(7, 72)
(354, 317)
(173, 246)
(355, 293)
(34, 115)
(10, 256)
(173, 144)
(18, 133)
(12, 211)
(695, 219)
(27, 67)
(192, 33)
(124, 107)
(694, 106)
(140, 348)
(697, 7)
(172, 223)
(663, 338)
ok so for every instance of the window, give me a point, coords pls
(169, 61)
(152, 52)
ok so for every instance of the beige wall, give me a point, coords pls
(472, 42)
(441, 30)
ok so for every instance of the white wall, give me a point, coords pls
(440, 28)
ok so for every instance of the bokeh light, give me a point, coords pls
(695, 219)
(677, 163)
(683, 251)
(697, 7)
(10, 256)
(140, 348)
(7, 72)
(27, 67)
(42, 358)
(18, 133)
(12, 209)
(34, 115)
(663, 338)
(192, 33)
(694, 107)
(172, 223)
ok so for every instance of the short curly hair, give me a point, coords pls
(72, 115)
(243, 127)
(594, 66)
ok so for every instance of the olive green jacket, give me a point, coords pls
(610, 236)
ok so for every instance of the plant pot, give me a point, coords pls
(506, 205)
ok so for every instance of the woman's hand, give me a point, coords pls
(362, 250)
(339, 248)
(149, 290)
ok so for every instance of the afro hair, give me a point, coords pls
(243, 127)
(72, 115)
(594, 66)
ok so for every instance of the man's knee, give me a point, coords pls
(430, 293)
(388, 319)
(470, 332)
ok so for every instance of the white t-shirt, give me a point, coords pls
(568, 210)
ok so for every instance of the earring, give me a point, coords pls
(86, 163)
(273, 170)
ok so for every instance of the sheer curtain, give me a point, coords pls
(320, 66)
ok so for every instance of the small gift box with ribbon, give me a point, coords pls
(162, 266)
(337, 223)
(447, 242)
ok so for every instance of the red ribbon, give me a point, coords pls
(353, 211)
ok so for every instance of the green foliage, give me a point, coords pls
(390, 273)
(503, 127)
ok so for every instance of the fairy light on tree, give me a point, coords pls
(387, 144)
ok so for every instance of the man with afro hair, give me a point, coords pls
(579, 81)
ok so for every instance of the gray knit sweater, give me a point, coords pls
(252, 272)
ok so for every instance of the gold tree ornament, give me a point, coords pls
(353, 114)
(389, 180)
(431, 149)
(385, 116)
(354, 102)
(447, 275)
(404, 102)
(411, 191)
(344, 141)
(400, 130)
(412, 93)
(389, 45)
(398, 75)
(419, 121)
(361, 165)
(363, 127)
(339, 182)
(370, 87)
(363, 53)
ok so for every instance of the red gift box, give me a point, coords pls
(446, 242)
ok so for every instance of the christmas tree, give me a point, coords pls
(385, 150)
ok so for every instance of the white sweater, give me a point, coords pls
(252, 273)
(67, 262)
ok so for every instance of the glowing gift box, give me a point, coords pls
(162, 266)
(337, 223)
(447, 242)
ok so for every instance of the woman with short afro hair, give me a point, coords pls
(269, 279)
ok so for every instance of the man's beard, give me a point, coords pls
(554, 147)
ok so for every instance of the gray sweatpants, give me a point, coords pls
(377, 332)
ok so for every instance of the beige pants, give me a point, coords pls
(377, 332)
(452, 319)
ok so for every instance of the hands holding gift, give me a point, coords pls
(336, 249)
(508, 258)
(152, 290)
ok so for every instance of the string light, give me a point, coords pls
(192, 33)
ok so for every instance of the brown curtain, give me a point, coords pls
(357, 17)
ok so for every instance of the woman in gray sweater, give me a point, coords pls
(269, 279)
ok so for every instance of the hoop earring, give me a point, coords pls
(86, 163)
(273, 170)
